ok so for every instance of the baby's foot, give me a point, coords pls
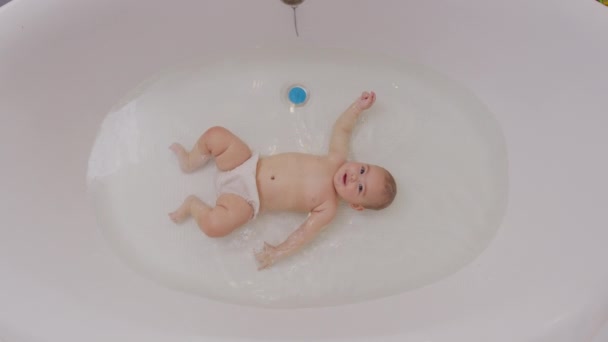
(181, 214)
(188, 162)
(182, 156)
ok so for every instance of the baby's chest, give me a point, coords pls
(317, 191)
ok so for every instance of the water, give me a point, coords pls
(443, 146)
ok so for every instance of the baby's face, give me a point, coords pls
(359, 183)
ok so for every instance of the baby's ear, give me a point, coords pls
(357, 207)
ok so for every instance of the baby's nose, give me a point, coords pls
(353, 177)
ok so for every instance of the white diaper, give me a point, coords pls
(241, 181)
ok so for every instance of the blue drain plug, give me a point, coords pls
(297, 95)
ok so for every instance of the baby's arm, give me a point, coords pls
(343, 128)
(316, 221)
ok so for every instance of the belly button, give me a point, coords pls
(271, 177)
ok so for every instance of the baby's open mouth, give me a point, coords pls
(344, 179)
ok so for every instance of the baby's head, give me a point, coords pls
(365, 186)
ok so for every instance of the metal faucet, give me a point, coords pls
(294, 4)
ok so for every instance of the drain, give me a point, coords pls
(297, 95)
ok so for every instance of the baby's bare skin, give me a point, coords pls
(296, 181)
(286, 182)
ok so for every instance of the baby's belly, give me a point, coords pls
(278, 193)
(292, 182)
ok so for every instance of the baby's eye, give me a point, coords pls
(362, 170)
(360, 187)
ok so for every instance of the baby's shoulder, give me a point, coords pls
(335, 160)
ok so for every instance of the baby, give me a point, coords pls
(249, 184)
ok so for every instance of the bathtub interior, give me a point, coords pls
(446, 150)
(532, 64)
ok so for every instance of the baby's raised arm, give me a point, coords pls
(343, 128)
(318, 219)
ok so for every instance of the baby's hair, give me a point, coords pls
(389, 193)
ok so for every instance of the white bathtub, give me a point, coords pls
(539, 66)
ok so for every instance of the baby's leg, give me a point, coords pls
(230, 212)
(227, 149)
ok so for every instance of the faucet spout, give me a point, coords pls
(293, 3)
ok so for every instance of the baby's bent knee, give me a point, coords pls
(216, 131)
(212, 227)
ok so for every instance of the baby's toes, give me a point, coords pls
(176, 216)
(176, 148)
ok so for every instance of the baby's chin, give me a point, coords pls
(337, 180)
(337, 190)
(340, 197)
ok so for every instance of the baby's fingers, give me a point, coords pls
(263, 258)
(265, 262)
(263, 266)
(365, 96)
(372, 97)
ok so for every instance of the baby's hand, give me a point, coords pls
(366, 100)
(266, 257)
